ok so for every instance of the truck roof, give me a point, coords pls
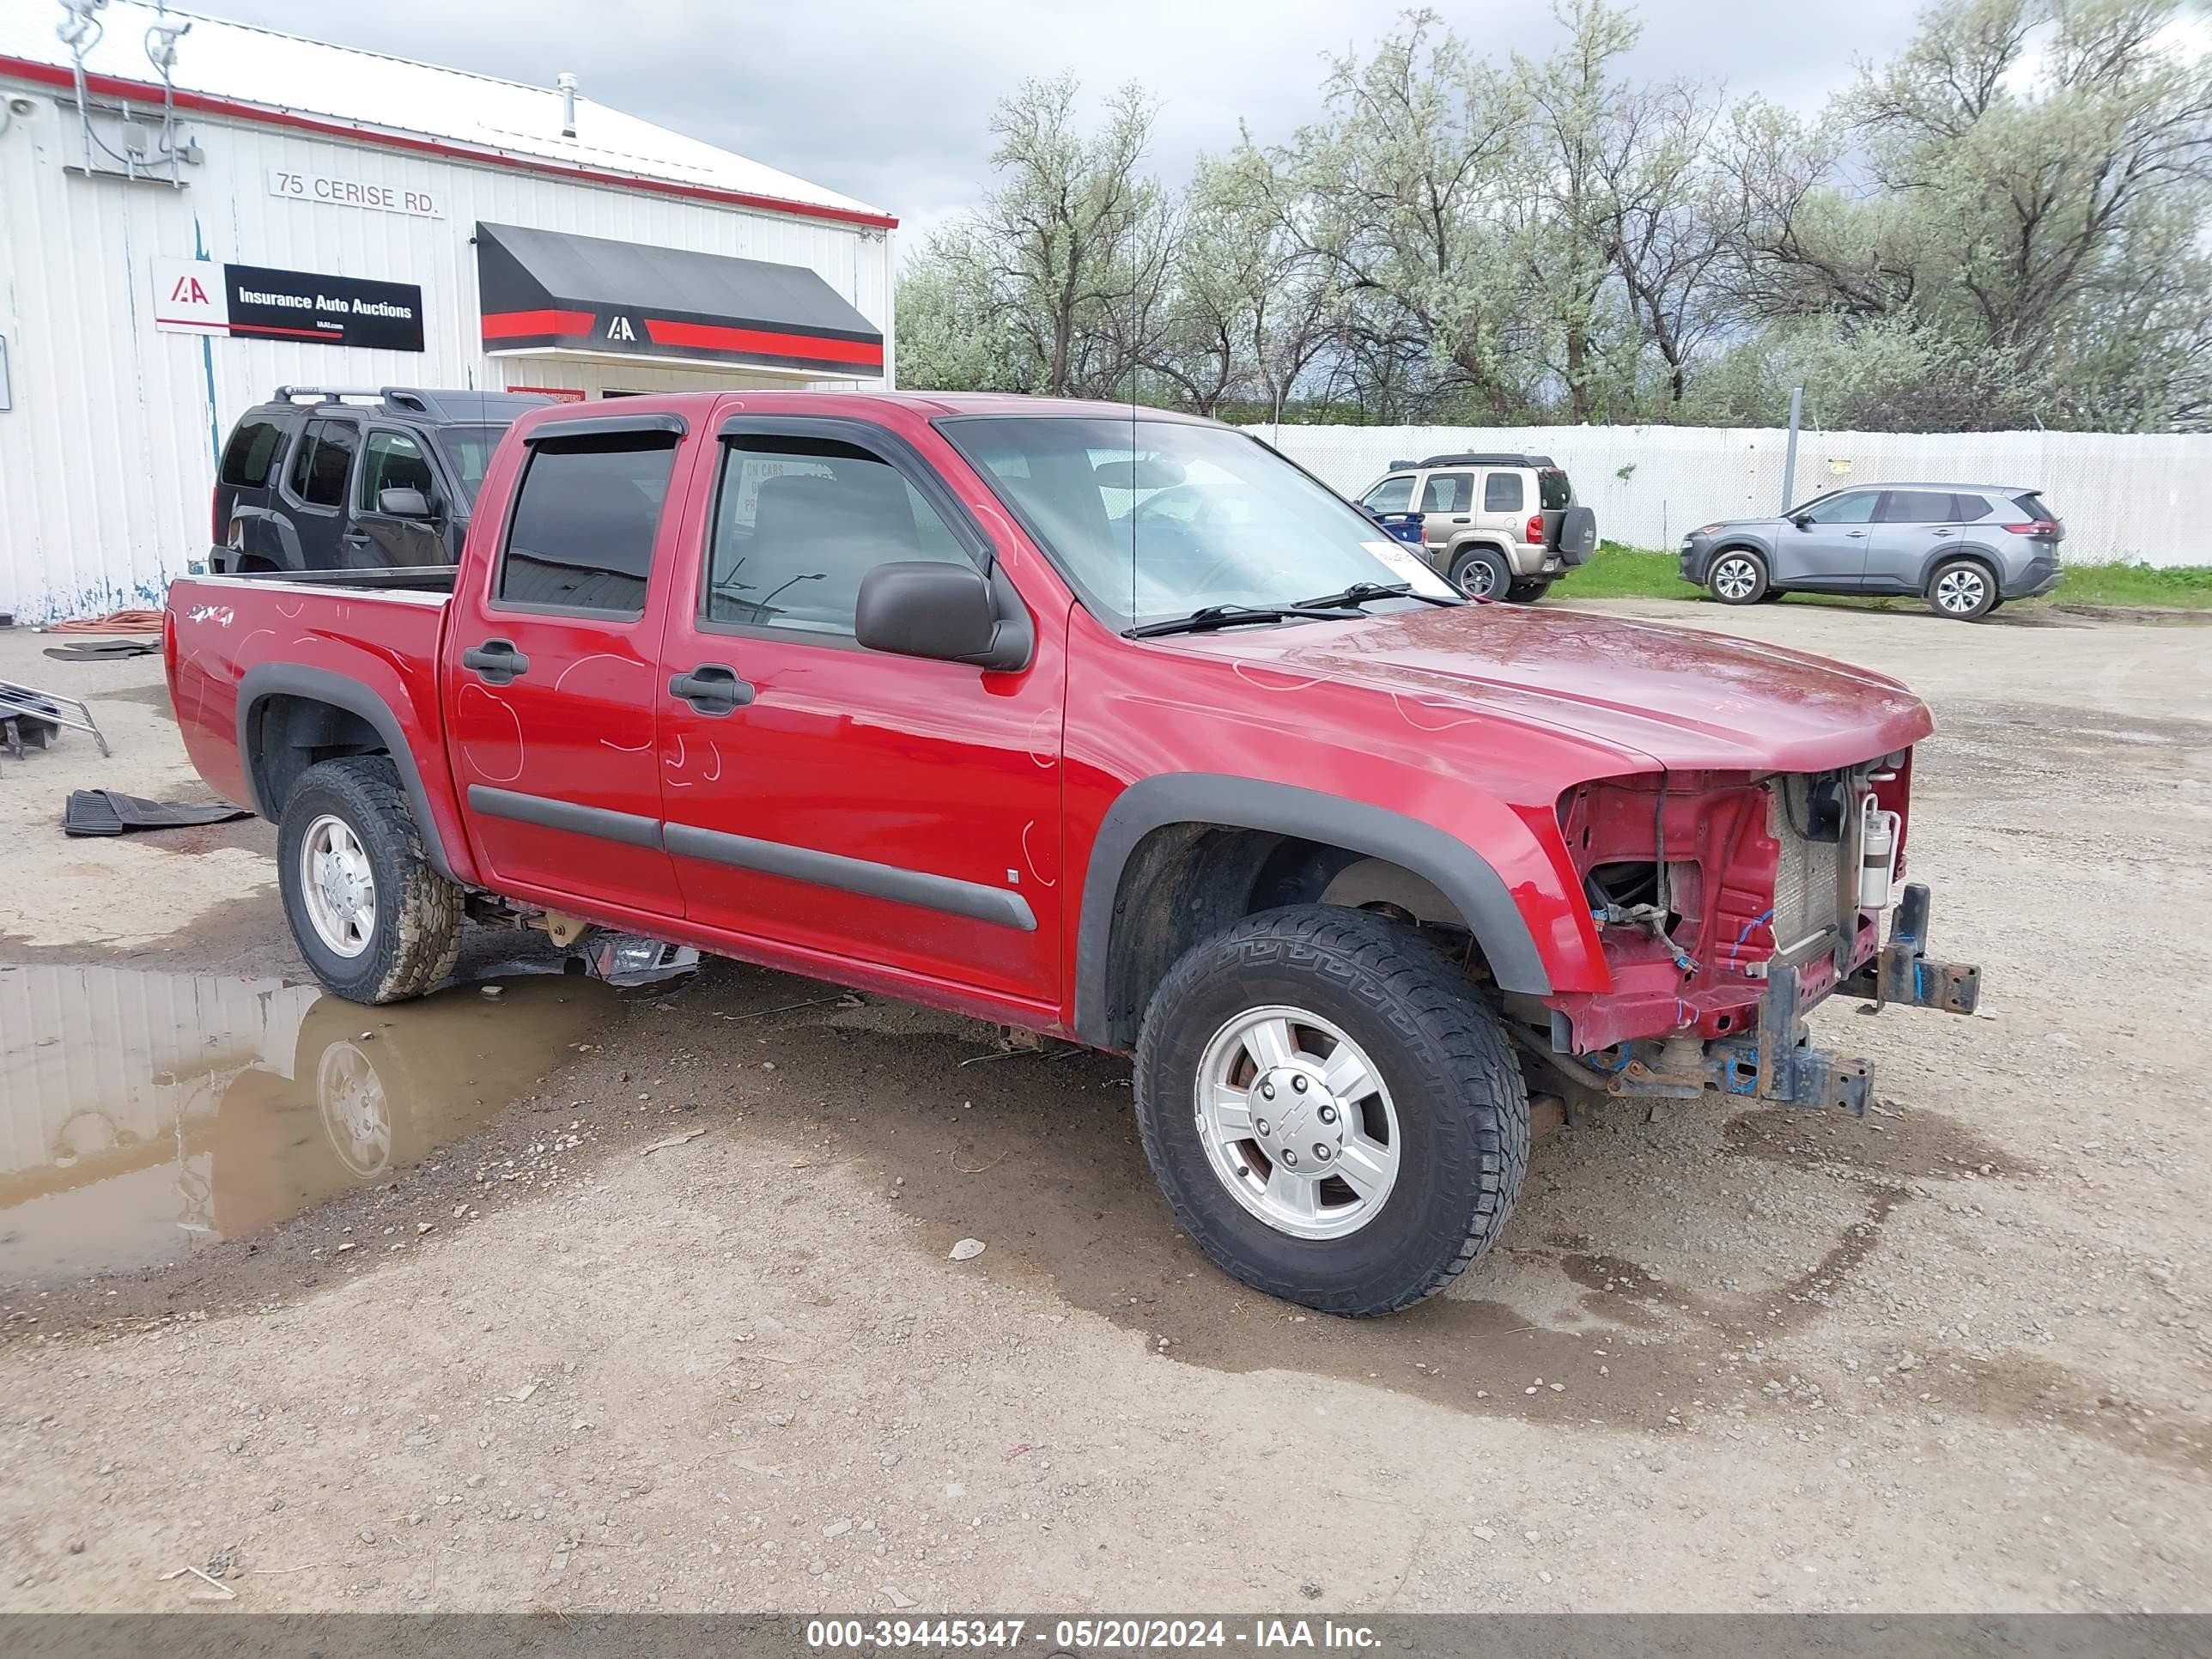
(927, 404)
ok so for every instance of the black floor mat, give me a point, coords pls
(110, 812)
(102, 650)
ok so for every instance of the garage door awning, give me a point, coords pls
(541, 289)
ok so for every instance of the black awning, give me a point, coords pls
(540, 288)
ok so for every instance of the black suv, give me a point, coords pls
(326, 478)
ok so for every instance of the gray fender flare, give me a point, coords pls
(273, 680)
(1943, 555)
(1461, 873)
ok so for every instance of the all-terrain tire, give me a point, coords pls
(1461, 1108)
(417, 933)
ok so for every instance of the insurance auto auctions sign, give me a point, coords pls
(196, 296)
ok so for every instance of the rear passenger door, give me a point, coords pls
(1505, 505)
(552, 667)
(1912, 528)
(315, 493)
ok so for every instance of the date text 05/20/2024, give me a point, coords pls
(1086, 1635)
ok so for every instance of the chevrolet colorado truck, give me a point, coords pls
(1105, 723)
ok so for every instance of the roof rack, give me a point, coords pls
(400, 395)
(1486, 458)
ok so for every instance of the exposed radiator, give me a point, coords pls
(1807, 874)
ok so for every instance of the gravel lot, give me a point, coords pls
(1954, 1357)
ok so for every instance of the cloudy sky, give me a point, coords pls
(888, 99)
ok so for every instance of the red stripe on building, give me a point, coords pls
(521, 325)
(764, 342)
(112, 86)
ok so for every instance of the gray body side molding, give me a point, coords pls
(546, 813)
(1460, 872)
(872, 880)
(271, 679)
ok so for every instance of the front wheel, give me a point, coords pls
(1737, 578)
(1332, 1114)
(374, 920)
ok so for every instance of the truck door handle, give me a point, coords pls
(1856, 535)
(1941, 533)
(1462, 520)
(496, 661)
(712, 687)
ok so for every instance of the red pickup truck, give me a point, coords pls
(1109, 725)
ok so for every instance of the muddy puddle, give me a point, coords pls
(144, 1115)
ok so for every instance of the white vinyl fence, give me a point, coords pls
(2124, 497)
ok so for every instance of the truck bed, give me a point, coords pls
(232, 640)
(410, 578)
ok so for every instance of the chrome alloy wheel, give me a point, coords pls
(1735, 577)
(1961, 591)
(338, 885)
(1297, 1123)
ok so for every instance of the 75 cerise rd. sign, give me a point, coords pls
(354, 193)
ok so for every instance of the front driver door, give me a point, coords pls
(843, 802)
(394, 459)
(1827, 547)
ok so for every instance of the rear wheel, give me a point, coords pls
(374, 919)
(1331, 1111)
(1962, 590)
(1481, 573)
(1737, 577)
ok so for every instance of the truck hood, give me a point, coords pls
(1676, 697)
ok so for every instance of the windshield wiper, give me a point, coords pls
(1361, 593)
(1211, 616)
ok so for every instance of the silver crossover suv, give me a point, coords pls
(1963, 548)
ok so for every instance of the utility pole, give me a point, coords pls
(1789, 457)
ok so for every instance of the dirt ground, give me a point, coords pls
(1955, 1356)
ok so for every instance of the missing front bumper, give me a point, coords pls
(1778, 1062)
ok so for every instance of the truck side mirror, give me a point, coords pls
(403, 503)
(933, 608)
(1803, 520)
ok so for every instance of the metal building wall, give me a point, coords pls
(107, 453)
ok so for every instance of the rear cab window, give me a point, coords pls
(1502, 492)
(1553, 492)
(586, 518)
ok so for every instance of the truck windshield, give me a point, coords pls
(469, 449)
(1155, 519)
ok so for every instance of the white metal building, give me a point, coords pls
(178, 238)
